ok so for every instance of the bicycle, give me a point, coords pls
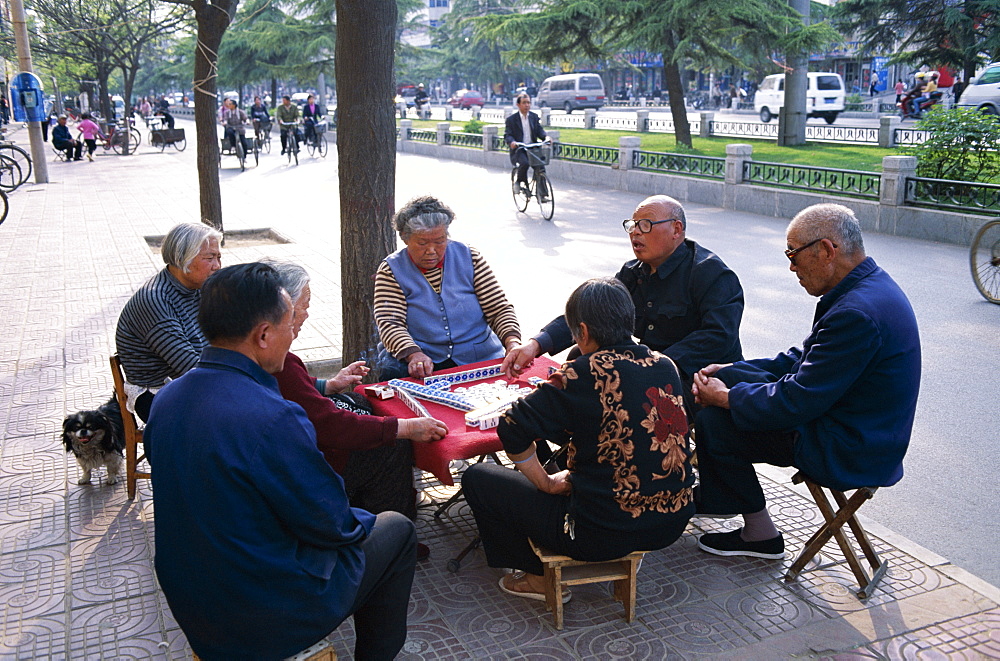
(984, 259)
(290, 131)
(235, 147)
(262, 135)
(19, 156)
(3, 204)
(116, 139)
(318, 141)
(539, 187)
(10, 173)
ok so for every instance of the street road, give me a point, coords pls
(949, 499)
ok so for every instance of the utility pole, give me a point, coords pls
(792, 118)
(38, 159)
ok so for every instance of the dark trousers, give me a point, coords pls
(384, 594)
(73, 149)
(231, 134)
(381, 479)
(726, 456)
(143, 403)
(91, 145)
(509, 509)
(520, 159)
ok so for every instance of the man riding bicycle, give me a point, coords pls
(287, 115)
(259, 116)
(312, 114)
(234, 120)
(523, 126)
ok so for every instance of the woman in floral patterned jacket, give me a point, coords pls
(628, 483)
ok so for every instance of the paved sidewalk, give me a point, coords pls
(76, 573)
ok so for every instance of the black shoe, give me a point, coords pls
(730, 543)
(423, 552)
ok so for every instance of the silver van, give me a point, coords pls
(571, 91)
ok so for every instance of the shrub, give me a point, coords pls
(960, 146)
(473, 126)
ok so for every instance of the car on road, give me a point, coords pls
(983, 91)
(467, 99)
(824, 96)
(571, 91)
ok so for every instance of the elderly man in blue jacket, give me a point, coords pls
(257, 550)
(840, 409)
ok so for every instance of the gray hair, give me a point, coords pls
(294, 278)
(834, 222)
(183, 243)
(422, 214)
(606, 307)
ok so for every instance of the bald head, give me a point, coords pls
(654, 241)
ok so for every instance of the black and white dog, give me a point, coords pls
(97, 438)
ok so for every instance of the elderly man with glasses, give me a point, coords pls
(840, 409)
(688, 303)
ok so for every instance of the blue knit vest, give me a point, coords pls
(450, 324)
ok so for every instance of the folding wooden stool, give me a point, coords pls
(562, 570)
(133, 435)
(833, 527)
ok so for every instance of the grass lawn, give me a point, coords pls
(819, 154)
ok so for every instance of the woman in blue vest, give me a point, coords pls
(437, 302)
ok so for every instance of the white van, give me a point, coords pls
(571, 91)
(824, 96)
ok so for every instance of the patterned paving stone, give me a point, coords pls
(432, 640)
(98, 631)
(39, 455)
(33, 638)
(36, 533)
(619, 641)
(700, 628)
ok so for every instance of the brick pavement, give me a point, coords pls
(76, 577)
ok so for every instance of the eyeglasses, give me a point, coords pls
(791, 253)
(645, 226)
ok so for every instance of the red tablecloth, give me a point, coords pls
(461, 442)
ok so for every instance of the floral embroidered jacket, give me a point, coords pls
(621, 412)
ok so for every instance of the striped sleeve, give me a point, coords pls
(390, 314)
(498, 310)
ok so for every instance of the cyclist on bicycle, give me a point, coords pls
(312, 114)
(286, 113)
(260, 116)
(234, 120)
(523, 126)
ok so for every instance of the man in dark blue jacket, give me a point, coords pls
(61, 140)
(522, 126)
(257, 550)
(840, 409)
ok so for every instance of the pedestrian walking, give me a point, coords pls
(872, 91)
(900, 88)
(89, 131)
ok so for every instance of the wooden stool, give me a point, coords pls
(133, 435)
(321, 651)
(833, 527)
(562, 570)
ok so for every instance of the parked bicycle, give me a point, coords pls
(984, 258)
(117, 138)
(539, 187)
(21, 158)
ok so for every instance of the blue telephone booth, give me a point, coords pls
(27, 98)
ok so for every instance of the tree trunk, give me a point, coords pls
(274, 93)
(212, 24)
(103, 98)
(366, 153)
(675, 90)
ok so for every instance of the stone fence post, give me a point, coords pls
(546, 112)
(442, 131)
(404, 128)
(626, 147)
(887, 131)
(706, 124)
(895, 170)
(736, 155)
(489, 134)
(642, 120)
(554, 135)
(476, 111)
(447, 113)
(588, 118)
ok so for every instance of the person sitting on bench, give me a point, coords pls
(62, 141)
(840, 409)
